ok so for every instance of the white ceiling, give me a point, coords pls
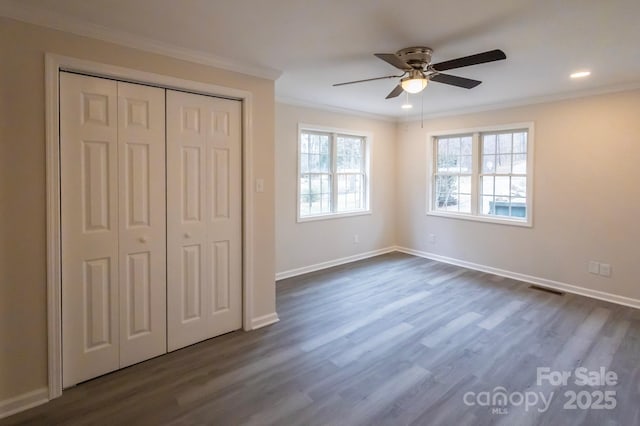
(315, 43)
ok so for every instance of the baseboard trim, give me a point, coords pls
(556, 285)
(331, 263)
(264, 320)
(12, 406)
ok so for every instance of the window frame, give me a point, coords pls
(476, 172)
(367, 138)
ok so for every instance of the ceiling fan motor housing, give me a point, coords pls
(418, 57)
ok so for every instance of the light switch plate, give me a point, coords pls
(605, 269)
(594, 267)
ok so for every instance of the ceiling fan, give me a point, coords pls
(415, 62)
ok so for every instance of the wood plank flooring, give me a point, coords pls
(392, 340)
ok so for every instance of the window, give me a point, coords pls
(483, 174)
(333, 174)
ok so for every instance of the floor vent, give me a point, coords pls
(546, 290)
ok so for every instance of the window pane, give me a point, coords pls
(450, 165)
(442, 146)
(313, 143)
(520, 164)
(350, 192)
(465, 185)
(487, 205)
(314, 153)
(503, 169)
(466, 164)
(304, 163)
(454, 146)
(501, 208)
(520, 142)
(489, 164)
(444, 161)
(315, 195)
(305, 198)
(504, 143)
(446, 190)
(519, 207)
(466, 145)
(502, 186)
(519, 210)
(324, 146)
(504, 163)
(319, 163)
(487, 185)
(349, 154)
(451, 205)
(518, 187)
(464, 203)
(489, 144)
(317, 171)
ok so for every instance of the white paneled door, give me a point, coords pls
(113, 212)
(204, 228)
(142, 222)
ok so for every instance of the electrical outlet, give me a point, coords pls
(605, 269)
(431, 238)
(594, 267)
(356, 239)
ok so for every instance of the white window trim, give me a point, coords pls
(368, 140)
(475, 181)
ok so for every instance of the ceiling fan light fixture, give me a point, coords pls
(414, 83)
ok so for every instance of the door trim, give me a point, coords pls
(53, 65)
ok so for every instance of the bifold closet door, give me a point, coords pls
(142, 225)
(113, 210)
(204, 218)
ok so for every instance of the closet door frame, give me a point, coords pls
(53, 65)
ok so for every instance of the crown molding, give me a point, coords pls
(625, 87)
(57, 21)
(469, 110)
(330, 108)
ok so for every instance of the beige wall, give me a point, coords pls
(586, 203)
(308, 243)
(23, 337)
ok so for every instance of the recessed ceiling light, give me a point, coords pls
(407, 106)
(580, 74)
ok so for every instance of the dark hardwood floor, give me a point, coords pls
(391, 340)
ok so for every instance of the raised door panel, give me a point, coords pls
(204, 217)
(224, 146)
(142, 213)
(186, 227)
(89, 219)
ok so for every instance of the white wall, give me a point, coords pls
(586, 195)
(309, 243)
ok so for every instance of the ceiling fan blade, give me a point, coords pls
(395, 92)
(454, 80)
(366, 79)
(478, 58)
(394, 60)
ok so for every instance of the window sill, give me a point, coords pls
(333, 216)
(499, 221)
